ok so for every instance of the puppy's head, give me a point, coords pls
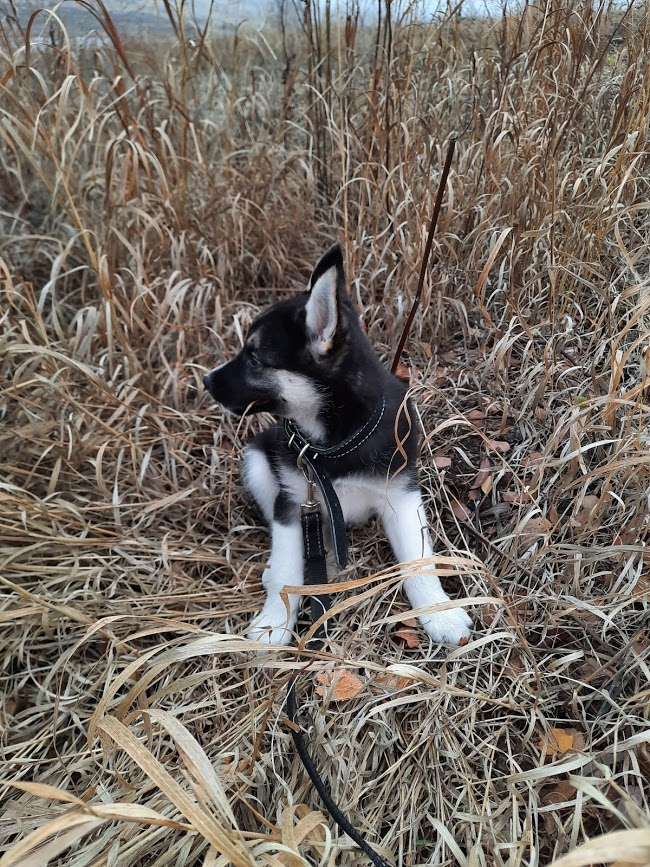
(292, 351)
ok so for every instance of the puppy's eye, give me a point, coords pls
(254, 358)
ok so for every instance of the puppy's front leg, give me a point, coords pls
(404, 521)
(274, 623)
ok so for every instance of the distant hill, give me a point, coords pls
(138, 18)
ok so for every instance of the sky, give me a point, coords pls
(234, 11)
(469, 7)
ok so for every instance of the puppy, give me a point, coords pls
(307, 360)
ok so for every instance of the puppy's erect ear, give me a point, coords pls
(323, 310)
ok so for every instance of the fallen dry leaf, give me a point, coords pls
(408, 635)
(642, 586)
(442, 462)
(584, 514)
(343, 684)
(557, 742)
(515, 666)
(475, 415)
(533, 459)
(560, 741)
(10, 706)
(564, 791)
(427, 349)
(517, 497)
(627, 536)
(500, 446)
(488, 613)
(536, 527)
(402, 372)
(393, 681)
(459, 509)
(482, 476)
(642, 644)
(517, 610)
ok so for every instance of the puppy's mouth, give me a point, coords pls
(238, 398)
(258, 406)
(251, 408)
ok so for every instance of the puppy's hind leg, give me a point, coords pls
(405, 525)
(274, 623)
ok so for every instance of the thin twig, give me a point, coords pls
(427, 253)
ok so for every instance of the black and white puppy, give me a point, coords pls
(307, 359)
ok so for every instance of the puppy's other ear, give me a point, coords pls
(323, 310)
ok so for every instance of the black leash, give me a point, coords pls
(316, 573)
(319, 785)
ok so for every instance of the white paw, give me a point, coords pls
(271, 625)
(447, 627)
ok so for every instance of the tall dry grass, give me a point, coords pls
(154, 197)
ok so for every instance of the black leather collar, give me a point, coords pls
(299, 442)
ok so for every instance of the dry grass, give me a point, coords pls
(153, 198)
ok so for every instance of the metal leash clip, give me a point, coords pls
(311, 504)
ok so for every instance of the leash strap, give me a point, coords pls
(334, 511)
(316, 573)
(332, 502)
(315, 567)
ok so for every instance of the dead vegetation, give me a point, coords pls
(153, 198)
